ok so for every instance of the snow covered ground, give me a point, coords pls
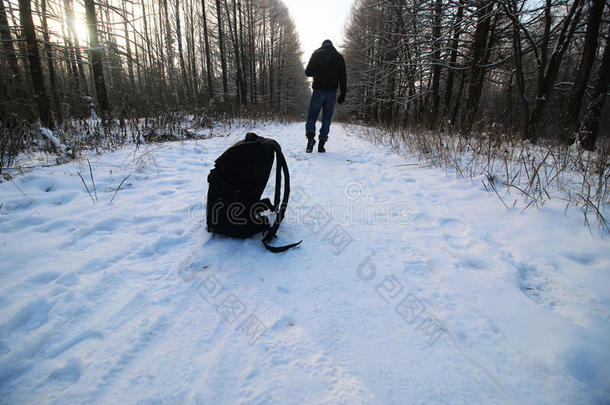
(411, 286)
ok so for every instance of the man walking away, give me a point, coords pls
(327, 67)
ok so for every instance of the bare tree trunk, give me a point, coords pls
(7, 45)
(128, 48)
(477, 71)
(458, 98)
(40, 93)
(232, 25)
(544, 49)
(208, 63)
(550, 75)
(138, 66)
(82, 79)
(170, 53)
(271, 61)
(570, 121)
(96, 57)
(436, 60)
(251, 52)
(59, 111)
(167, 91)
(190, 29)
(4, 117)
(113, 64)
(69, 56)
(594, 110)
(262, 60)
(223, 61)
(455, 43)
(517, 54)
(185, 82)
(244, 84)
(150, 84)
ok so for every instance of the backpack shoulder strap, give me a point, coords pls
(280, 208)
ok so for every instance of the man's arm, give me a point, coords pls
(309, 71)
(342, 79)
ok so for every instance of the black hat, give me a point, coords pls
(327, 42)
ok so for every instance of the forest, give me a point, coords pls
(62, 61)
(537, 70)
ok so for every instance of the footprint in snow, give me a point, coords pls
(62, 348)
(70, 373)
(284, 290)
(283, 323)
(18, 204)
(540, 284)
(68, 279)
(44, 278)
(447, 221)
(581, 258)
(30, 317)
(62, 198)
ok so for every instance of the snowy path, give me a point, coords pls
(410, 287)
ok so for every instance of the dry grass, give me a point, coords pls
(520, 173)
(94, 134)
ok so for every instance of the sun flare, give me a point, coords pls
(80, 30)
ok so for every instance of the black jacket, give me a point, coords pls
(327, 67)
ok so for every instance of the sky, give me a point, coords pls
(317, 20)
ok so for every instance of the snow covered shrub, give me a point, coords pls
(10, 146)
(14, 139)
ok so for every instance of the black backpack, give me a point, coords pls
(236, 183)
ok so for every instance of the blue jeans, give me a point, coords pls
(321, 100)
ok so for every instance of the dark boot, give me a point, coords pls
(321, 146)
(311, 141)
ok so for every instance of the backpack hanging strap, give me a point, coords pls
(279, 249)
(280, 208)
